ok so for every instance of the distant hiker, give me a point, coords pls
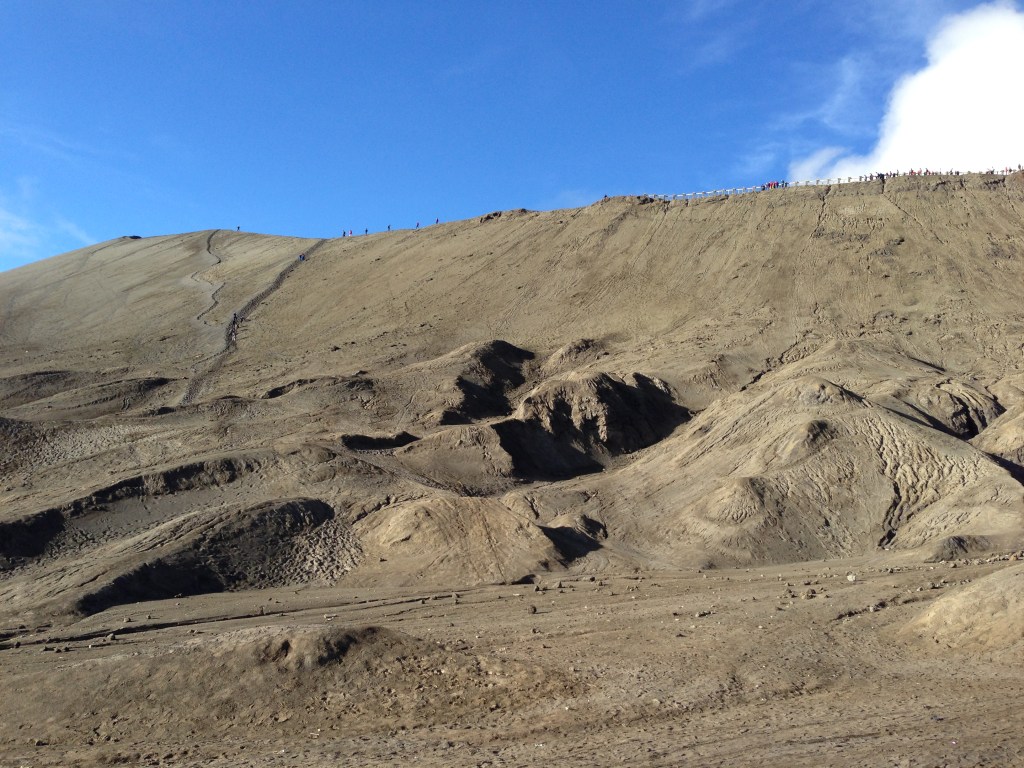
(389, 227)
(366, 231)
(417, 225)
(350, 233)
(437, 220)
(238, 229)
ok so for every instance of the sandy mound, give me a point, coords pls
(956, 547)
(271, 544)
(986, 614)
(471, 459)
(911, 387)
(1005, 438)
(456, 541)
(49, 528)
(566, 426)
(83, 400)
(289, 680)
(573, 356)
(805, 468)
(468, 384)
(601, 414)
(284, 542)
(40, 385)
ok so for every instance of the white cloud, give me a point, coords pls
(962, 111)
(809, 167)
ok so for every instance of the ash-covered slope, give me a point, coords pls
(798, 373)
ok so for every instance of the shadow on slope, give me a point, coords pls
(567, 426)
(470, 383)
(262, 546)
(30, 536)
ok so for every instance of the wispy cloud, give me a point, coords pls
(757, 162)
(703, 38)
(902, 22)
(960, 111)
(700, 10)
(20, 239)
(48, 143)
(26, 234)
(850, 76)
(74, 231)
(810, 167)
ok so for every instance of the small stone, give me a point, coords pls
(851, 577)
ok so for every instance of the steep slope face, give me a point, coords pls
(801, 373)
(702, 294)
(130, 306)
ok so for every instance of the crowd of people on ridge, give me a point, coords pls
(350, 233)
(839, 180)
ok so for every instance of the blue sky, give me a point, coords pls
(305, 118)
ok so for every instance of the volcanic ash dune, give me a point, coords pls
(803, 373)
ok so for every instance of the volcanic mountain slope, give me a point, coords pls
(801, 373)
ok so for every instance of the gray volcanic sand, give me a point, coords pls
(721, 482)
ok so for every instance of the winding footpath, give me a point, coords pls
(215, 361)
